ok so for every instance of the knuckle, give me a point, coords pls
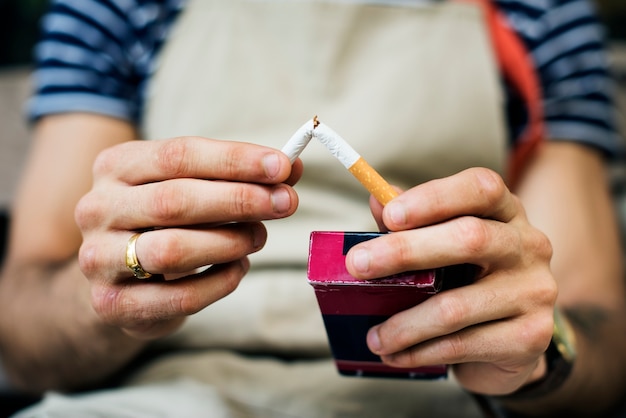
(186, 301)
(88, 260)
(106, 302)
(232, 248)
(519, 206)
(451, 311)
(404, 253)
(473, 234)
(542, 341)
(232, 278)
(394, 332)
(536, 334)
(172, 156)
(452, 349)
(166, 252)
(88, 212)
(243, 202)
(106, 161)
(546, 289)
(230, 284)
(546, 329)
(231, 163)
(490, 184)
(541, 244)
(168, 204)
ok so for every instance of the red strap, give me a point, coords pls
(515, 63)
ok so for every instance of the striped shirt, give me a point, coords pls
(98, 55)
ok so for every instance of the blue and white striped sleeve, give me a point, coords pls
(567, 43)
(96, 55)
(81, 64)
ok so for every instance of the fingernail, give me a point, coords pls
(361, 260)
(396, 213)
(373, 340)
(271, 165)
(281, 201)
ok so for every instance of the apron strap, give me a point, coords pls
(517, 68)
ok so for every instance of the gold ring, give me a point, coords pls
(131, 259)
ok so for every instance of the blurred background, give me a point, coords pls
(19, 20)
(613, 12)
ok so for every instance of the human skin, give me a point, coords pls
(106, 320)
(495, 330)
(203, 202)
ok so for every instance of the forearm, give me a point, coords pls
(575, 210)
(596, 384)
(50, 336)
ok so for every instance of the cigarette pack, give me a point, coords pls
(350, 307)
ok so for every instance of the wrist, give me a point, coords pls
(558, 362)
(549, 376)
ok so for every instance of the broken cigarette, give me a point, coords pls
(373, 182)
(300, 139)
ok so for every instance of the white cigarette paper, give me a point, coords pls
(298, 141)
(338, 147)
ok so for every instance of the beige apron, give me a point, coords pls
(412, 87)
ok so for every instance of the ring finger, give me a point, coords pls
(173, 250)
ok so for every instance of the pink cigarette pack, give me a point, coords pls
(350, 307)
